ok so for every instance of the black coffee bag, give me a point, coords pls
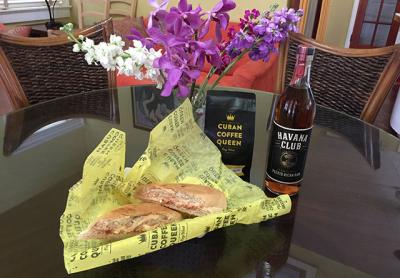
(229, 123)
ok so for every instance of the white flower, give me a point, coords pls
(120, 61)
(116, 50)
(67, 28)
(137, 54)
(125, 66)
(131, 69)
(87, 44)
(152, 73)
(76, 48)
(117, 40)
(90, 57)
(155, 54)
(137, 44)
(103, 54)
(136, 61)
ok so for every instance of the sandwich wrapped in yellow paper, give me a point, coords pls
(178, 152)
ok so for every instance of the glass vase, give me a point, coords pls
(198, 100)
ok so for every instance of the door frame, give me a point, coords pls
(352, 22)
(323, 20)
(395, 26)
(302, 24)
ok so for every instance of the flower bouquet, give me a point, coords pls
(176, 48)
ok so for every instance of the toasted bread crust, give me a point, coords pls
(192, 199)
(129, 220)
(140, 210)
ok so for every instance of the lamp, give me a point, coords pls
(52, 24)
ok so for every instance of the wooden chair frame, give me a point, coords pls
(131, 11)
(13, 87)
(81, 11)
(383, 85)
(108, 9)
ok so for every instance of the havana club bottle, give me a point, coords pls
(291, 129)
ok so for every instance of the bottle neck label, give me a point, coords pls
(287, 154)
(299, 70)
(301, 74)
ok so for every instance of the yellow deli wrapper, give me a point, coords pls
(178, 151)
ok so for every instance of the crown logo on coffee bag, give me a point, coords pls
(230, 117)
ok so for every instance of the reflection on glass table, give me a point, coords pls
(345, 223)
(149, 108)
(26, 122)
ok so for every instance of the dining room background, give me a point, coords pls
(333, 31)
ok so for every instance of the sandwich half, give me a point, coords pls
(192, 199)
(129, 220)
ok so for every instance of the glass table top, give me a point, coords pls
(344, 223)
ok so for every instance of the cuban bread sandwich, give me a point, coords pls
(129, 220)
(192, 199)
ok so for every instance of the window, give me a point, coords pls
(13, 11)
(15, 4)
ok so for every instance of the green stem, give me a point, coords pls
(209, 74)
(199, 97)
(163, 76)
(72, 37)
(192, 88)
(125, 55)
(228, 68)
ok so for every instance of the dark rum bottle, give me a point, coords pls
(291, 129)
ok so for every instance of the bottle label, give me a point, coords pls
(287, 154)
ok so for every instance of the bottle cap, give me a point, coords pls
(305, 50)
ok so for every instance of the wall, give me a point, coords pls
(144, 8)
(339, 16)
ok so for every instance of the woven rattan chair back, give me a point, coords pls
(353, 81)
(41, 69)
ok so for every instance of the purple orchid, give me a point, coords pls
(177, 32)
(157, 7)
(179, 72)
(220, 15)
(184, 57)
(180, 33)
(189, 16)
